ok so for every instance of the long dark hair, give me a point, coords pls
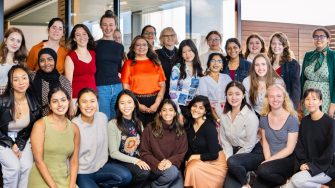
(55, 90)
(151, 54)
(157, 124)
(73, 44)
(197, 70)
(237, 42)
(204, 100)
(240, 86)
(20, 55)
(119, 115)
(9, 91)
(82, 92)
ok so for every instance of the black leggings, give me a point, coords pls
(146, 118)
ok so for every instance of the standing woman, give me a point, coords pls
(55, 140)
(255, 44)
(261, 77)
(167, 54)
(80, 62)
(315, 148)
(206, 165)
(12, 51)
(124, 137)
(239, 126)
(279, 132)
(47, 77)
(93, 153)
(214, 84)
(285, 66)
(318, 70)
(55, 33)
(185, 76)
(143, 74)
(18, 112)
(214, 41)
(163, 146)
(109, 56)
(236, 66)
(149, 34)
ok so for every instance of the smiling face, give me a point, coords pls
(233, 50)
(20, 81)
(214, 42)
(126, 106)
(216, 64)
(234, 97)
(13, 42)
(320, 40)
(312, 102)
(88, 104)
(141, 47)
(47, 63)
(198, 110)
(108, 27)
(117, 36)
(276, 46)
(150, 34)
(59, 103)
(275, 97)
(167, 113)
(187, 54)
(261, 67)
(254, 45)
(169, 38)
(81, 37)
(56, 31)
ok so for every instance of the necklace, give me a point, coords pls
(169, 56)
(18, 108)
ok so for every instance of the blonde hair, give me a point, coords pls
(165, 30)
(287, 104)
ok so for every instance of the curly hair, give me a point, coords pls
(256, 36)
(151, 54)
(20, 55)
(287, 103)
(73, 43)
(286, 56)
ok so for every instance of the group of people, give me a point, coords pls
(87, 114)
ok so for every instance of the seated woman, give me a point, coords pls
(279, 131)
(124, 135)
(55, 144)
(47, 77)
(239, 126)
(94, 169)
(163, 147)
(205, 162)
(315, 148)
(18, 112)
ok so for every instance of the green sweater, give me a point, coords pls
(331, 69)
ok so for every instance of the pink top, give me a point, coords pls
(83, 73)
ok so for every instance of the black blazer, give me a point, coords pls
(6, 117)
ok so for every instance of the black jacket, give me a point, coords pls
(6, 117)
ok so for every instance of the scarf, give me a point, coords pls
(319, 57)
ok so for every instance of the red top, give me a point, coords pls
(143, 76)
(83, 73)
(232, 74)
(278, 71)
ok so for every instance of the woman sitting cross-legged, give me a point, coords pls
(163, 146)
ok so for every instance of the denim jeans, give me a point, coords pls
(107, 98)
(170, 177)
(110, 175)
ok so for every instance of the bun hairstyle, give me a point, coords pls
(109, 14)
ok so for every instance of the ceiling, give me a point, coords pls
(88, 9)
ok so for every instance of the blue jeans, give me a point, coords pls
(170, 177)
(110, 175)
(107, 99)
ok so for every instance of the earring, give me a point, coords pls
(204, 117)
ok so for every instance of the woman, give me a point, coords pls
(318, 70)
(109, 56)
(47, 77)
(12, 51)
(239, 126)
(55, 33)
(124, 135)
(315, 148)
(94, 169)
(279, 132)
(149, 34)
(19, 110)
(214, 84)
(165, 161)
(255, 45)
(261, 77)
(117, 36)
(143, 74)
(235, 66)
(80, 65)
(54, 141)
(205, 162)
(168, 54)
(185, 76)
(285, 66)
(214, 40)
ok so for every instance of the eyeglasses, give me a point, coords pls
(319, 37)
(215, 61)
(214, 40)
(167, 36)
(149, 33)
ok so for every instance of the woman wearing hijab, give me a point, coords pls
(47, 77)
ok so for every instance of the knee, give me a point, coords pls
(193, 166)
(263, 171)
(170, 174)
(126, 177)
(233, 162)
(297, 181)
(142, 174)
